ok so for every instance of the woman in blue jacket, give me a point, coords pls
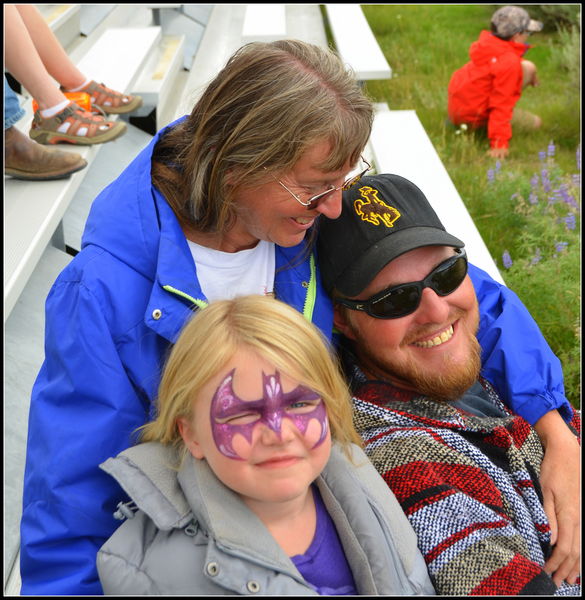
(221, 203)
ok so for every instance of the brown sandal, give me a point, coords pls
(111, 101)
(66, 125)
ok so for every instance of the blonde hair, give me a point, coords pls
(268, 327)
(265, 108)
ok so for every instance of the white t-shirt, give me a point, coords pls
(225, 275)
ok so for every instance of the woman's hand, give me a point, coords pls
(560, 481)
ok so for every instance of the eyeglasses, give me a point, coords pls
(401, 300)
(315, 200)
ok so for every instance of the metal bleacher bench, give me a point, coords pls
(355, 42)
(264, 23)
(35, 209)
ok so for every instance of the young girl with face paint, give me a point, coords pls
(251, 480)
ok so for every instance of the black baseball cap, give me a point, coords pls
(383, 216)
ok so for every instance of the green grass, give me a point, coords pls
(424, 44)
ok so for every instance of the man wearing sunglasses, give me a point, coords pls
(465, 469)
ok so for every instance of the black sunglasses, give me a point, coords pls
(401, 300)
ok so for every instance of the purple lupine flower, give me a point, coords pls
(491, 175)
(534, 180)
(533, 198)
(542, 155)
(536, 258)
(545, 180)
(556, 197)
(568, 198)
(570, 221)
(506, 259)
(498, 166)
(551, 149)
(576, 179)
(561, 246)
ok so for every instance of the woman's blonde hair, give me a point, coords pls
(265, 108)
(269, 328)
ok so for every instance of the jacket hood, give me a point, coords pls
(127, 217)
(489, 46)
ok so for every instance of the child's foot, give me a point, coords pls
(109, 100)
(74, 126)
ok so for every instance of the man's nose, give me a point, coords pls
(432, 308)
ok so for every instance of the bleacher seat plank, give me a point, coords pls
(221, 38)
(264, 23)
(119, 55)
(35, 209)
(32, 213)
(64, 21)
(401, 145)
(156, 82)
(305, 22)
(356, 43)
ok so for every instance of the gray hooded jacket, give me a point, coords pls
(192, 535)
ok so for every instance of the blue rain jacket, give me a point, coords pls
(111, 317)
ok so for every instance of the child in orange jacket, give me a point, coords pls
(485, 90)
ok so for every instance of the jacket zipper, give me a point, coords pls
(198, 303)
(309, 306)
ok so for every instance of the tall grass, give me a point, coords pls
(529, 220)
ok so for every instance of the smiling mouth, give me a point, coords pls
(278, 462)
(303, 220)
(443, 337)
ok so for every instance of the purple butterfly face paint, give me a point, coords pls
(271, 409)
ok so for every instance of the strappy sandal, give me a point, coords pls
(75, 126)
(111, 101)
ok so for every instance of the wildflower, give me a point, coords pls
(536, 258)
(491, 175)
(551, 149)
(498, 166)
(534, 180)
(545, 180)
(542, 155)
(506, 259)
(568, 198)
(570, 221)
(533, 198)
(561, 246)
(576, 180)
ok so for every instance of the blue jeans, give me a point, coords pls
(12, 110)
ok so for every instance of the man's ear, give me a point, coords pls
(185, 428)
(341, 322)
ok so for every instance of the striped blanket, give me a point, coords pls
(468, 484)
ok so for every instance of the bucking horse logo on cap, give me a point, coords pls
(370, 208)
